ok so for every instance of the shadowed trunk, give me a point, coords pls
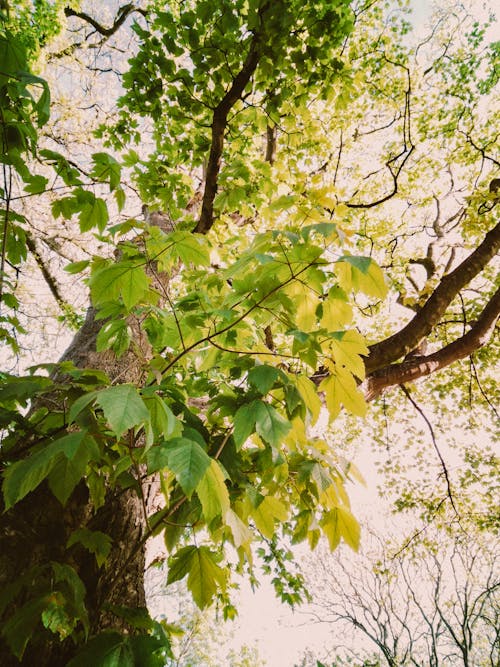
(35, 531)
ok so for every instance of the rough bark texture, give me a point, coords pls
(35, 531)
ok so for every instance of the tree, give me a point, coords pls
(201, 638)
(291, 143)
(434, 603)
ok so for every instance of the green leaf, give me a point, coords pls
(12, 56)
(95, 541)
(21, 389)
(24, 476)
(133, 286)
(93, 214)
(65, 207)
(120, 198)
(244, 424)
(122, 407)
(188, 461)
(180, 563)
(36, 185)
(149, 651)
(56, 618)
(108, 649)
(106, 169)
(162, 423)
(114, 335)
(69, 174)
(212, 492)
(270, 425)
(77, 267)
(70, 469)
(263, 378)
(80, 404)
(125, 279)
(75, 588)
(19, 628)
(190, 248)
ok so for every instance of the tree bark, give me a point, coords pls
(35, 531)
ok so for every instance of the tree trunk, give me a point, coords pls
(35, 531)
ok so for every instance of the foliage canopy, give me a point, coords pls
(293, 148)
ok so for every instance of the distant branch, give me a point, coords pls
(49, 278)
(444, 468)
(121, 16)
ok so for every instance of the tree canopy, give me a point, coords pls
(320, 226)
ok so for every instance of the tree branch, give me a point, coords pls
(418, 367)
(396, 346)
(49, 278)
(219, 124)
(123, 12)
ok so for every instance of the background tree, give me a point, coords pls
(433, 603)
(200, 637)
(292, 144)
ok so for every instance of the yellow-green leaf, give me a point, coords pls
(346, 348)
(339, 523)
(306, 301)
(266, 513)
(361, 274)
(190, 248)
(212, 492)
(205, 577)
(241, 532)
(337, 312)
(348, 527)
(309, 393)
(340, 389)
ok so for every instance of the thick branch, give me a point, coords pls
(219, 125)
(418, 367)
(121, 17)
(396, 346)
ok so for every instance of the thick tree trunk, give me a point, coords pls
(35, 532)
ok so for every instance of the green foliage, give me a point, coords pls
(24, 109)
(236, 337)
(95, 541)
(111, 648)
(55, 600)
(204, 575)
